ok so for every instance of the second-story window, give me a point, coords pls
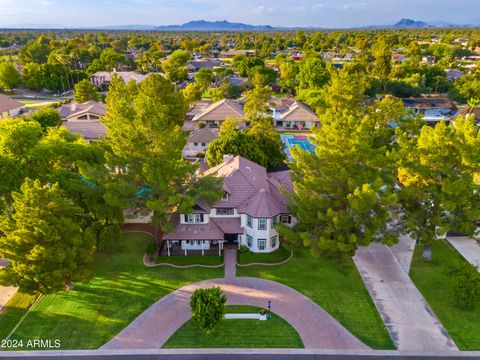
(249, 221)
(199, 218)
(225, 211)
(225, 196)
(262, 224)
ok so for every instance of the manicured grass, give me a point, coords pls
(122, 289)
(13, 312)
(238, 333)
(430, 278)
(181, 260)
(278, 256)
(336, 287)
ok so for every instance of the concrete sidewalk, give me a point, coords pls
(6, 292)
(468, 248)
(409, 319)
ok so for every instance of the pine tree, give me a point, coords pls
(437, 172)
(44, 240)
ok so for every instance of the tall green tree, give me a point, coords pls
(9, 76)
(312, 74)
(204, 78)
(288, 74)
(44, 240)
(175, 67)
(85, 91)
(437, 171)
(145, 146)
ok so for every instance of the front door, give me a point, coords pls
(230, 239)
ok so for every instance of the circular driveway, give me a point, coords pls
(316, 327)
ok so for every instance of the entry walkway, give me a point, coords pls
(230, 258)
(468, 248)
(409, 319)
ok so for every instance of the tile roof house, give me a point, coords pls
(291, 114)
(10, 108)
(198, 141)
(195, 65)
(216, 113)
(84, 119)
(466, 112)
(251, 205)
(103, 78)
(433, 109)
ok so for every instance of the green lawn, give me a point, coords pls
(429, 277)
(238, 333)
(123, 288)
(13, 312)
(182, 260)
(275, 257)
(336, 287)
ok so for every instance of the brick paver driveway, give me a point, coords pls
(316, 327)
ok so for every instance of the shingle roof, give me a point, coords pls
(209, 231)
(74, 110)
(125, 75)
(90, 130)
(8, 104)
(205, 135)
(428, 102)
(220, 110)
(299, 112)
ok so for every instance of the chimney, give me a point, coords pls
(73, 107)
(228, 157)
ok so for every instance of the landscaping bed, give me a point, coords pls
(238, 333)
(182, 260)
(431, 279)
(337, 287)
(94, 312)
(245, 258)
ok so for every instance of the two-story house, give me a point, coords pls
(198, 141)
(246, 215)
(291, 114)
(84, 119)
(215, 114)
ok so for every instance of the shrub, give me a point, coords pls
(466, 288)
(152, 249)
(244, 249)
(208, 307)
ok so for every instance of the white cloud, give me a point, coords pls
(262, 10)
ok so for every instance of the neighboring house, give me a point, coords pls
(199, 106)
(251, 205)
(473, 111)
(291, 114)
(453, 74)
(198, 141)
(232, 53)
(103, 78)
(215, 114)
(194, 66)
(84, 119)
(433, 109)
(10, 108)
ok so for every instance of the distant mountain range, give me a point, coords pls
(203, 25)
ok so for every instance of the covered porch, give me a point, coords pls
(192, 247)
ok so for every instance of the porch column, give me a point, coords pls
(219, 248)
(185, 248)
(238, 240)
(168, 248)
(203, 252)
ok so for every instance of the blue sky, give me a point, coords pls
(324, 13)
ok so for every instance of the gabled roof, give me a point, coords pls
(70, 111)
(205, 135)
(220, 110)
(262, 204)
(125, 75)
(8, 104)
(90, 130)
(299, 112)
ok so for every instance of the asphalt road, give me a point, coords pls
(240, 357)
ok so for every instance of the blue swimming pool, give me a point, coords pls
(297, 140)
